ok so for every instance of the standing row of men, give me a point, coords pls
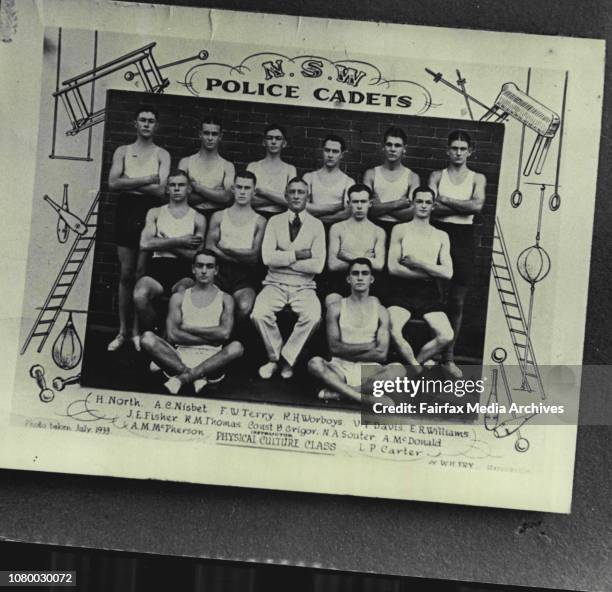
(292, 244)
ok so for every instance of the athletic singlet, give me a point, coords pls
(462, 191)
(360, 243)
(211, 175)
(415, 244)
(276, 182)
(359, 332)
(134, 166)
(170, 227)
(207, 316)
(390, 190)
(238, 237)
(323, 194)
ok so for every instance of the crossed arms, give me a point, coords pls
(375, 351)
(411, 267)
(149, 184)
(183, 246)
(181, 334)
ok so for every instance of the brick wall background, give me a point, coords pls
(244, 123)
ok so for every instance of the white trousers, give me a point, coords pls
(272, 299)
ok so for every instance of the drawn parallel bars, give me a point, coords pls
(83, 117)
(64, 281)
(513, 311)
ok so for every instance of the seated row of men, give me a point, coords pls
(197, 347)
(293, 249)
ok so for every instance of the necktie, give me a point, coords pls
(294, 227)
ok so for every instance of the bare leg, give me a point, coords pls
(326, 373)
(244, 299)
(456, 301)
(386, 372)
(163, 353)
(141, 264)
(443, 335)
(230, 352)
(329, 376)
(145, 292)
(399, 317)
(127, 264)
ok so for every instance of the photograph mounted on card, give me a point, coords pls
(245, 252)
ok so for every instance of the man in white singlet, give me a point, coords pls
(392, 183)
(235, 236)
(173, 233)
(353, 238)
(357, 333)
(461, 194)
(328, 185)
(272, 173)
(419, 254)
(138, 172)
(199, 324)
(211, 176)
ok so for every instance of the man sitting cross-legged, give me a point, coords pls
(358, 333)
(419, 254)
(200, 321)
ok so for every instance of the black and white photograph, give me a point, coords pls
(260, 252)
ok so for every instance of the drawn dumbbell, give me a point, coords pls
(59, 383)
(37, 372)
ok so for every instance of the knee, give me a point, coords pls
(235, 349)
(147, 341)
(310, 314)
(315, 365)
(142, 295)
(244, 307)
(445, 336)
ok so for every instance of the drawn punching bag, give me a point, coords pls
(68, 349)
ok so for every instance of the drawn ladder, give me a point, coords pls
(64, 281)
(513, 311)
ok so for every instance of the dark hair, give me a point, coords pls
(461, 136)
(296, 180)
(358, 187)
(246, 175)
(424, 189)
(274, 126)
(148, 109)
(396, 132)
(212, 120)
(204, 251)
(178, 173)
(359, 261)
(334, 138)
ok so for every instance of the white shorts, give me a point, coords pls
(194, 355)
(351, 371)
